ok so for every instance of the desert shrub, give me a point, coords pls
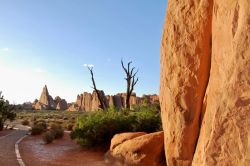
(41, 123)
(25, 122)
(39, 127)
(48, 137)
(99, 127)
(57, 131)
(147, 121)
(36, 130)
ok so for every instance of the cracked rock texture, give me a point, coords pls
(225, 131)
(185, 65)
(205, 100)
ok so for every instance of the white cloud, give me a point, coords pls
(88, 65)
(5, 49)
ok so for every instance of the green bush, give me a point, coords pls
(41, 123)
(48, 137)
(39, 127)
(99, 127)
(6, 111)
(57, 130)
(37, 130)
(25, 122)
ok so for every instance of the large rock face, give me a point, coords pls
(225, 131)
(185, 63)
(220, 120)
(139, 149)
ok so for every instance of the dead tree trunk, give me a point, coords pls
(131, 82)
(102, 103)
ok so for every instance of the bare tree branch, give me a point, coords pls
(103, 105)
(131, 81)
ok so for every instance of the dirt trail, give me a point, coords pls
(7, 148)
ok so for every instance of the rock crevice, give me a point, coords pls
(205, 83)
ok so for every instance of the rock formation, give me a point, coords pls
(62, 105)
(95, 100)
(115, 101)
(206, 98)
(46, 102)
(225, 132)
(57, 100)
(138, 149)
(89, 102)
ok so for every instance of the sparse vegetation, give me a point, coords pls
(66, 119)
(98, 128)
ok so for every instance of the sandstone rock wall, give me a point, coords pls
(205, 100)
(185, 56)
(89, 102)
(225, 131)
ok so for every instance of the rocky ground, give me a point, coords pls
(62, 152)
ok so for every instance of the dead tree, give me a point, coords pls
(131, 81)
(102, 103)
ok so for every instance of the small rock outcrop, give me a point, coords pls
(137, 149)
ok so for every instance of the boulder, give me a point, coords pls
(185, 66)
(137, 149)
(225, 137)
(120, 138)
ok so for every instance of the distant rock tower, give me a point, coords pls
(46, 101)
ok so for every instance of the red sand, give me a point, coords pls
(62, 152)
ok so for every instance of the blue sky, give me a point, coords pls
(49, 41)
